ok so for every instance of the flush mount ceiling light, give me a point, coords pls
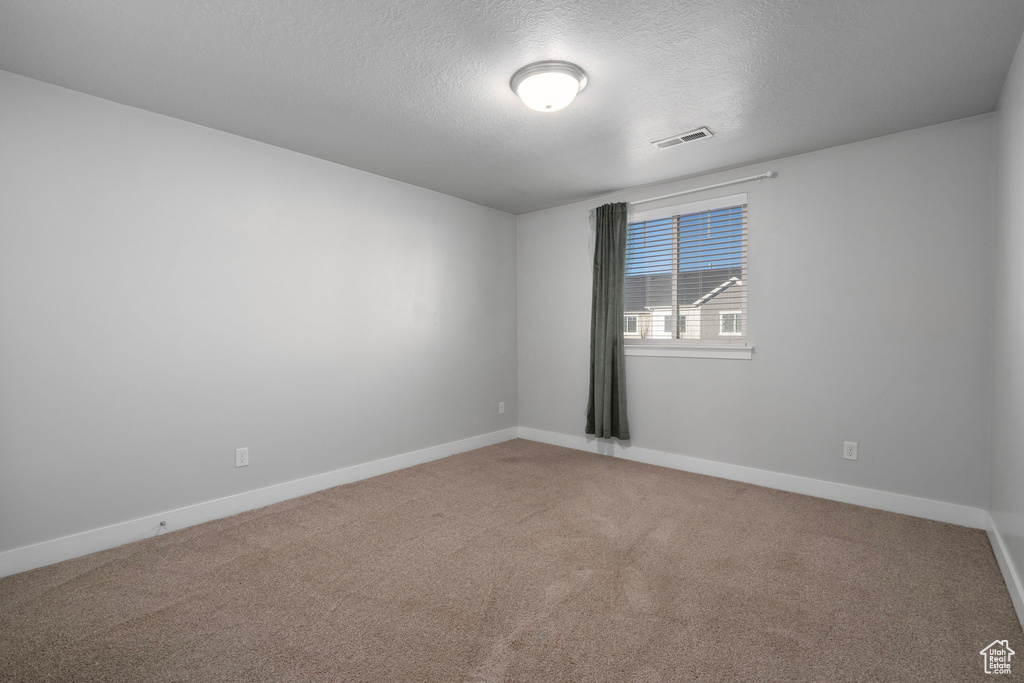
(548, 86)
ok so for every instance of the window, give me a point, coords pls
(686, 269)
(731, 323)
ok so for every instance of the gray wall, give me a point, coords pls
(169, 293)
(869, 309)
(1007, 501)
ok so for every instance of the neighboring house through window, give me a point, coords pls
(686, 275)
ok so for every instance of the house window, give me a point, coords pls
(731, 323)
(631, 324)
(688, 263)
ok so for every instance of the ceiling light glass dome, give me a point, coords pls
(548, 86)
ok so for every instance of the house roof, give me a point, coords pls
(695, 288)
(1003, 645)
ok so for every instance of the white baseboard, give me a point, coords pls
(75, 545)
(1006, 565)
(976, 518)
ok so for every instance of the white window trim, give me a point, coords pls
(721, 324)
(680, 351)
(688, 207)
(691, 350)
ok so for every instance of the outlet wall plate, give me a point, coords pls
(242, 457)
(850, 450)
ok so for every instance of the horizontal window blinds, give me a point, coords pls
(686, 275)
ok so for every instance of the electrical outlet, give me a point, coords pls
(241, 457)
(501, 408)
(850, 450)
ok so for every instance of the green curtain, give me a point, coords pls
(606, 406)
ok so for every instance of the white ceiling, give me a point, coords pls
(418, 90)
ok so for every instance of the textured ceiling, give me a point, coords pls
(418, 90)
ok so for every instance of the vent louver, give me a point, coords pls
(692, 135)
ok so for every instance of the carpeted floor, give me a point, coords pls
(523, 562)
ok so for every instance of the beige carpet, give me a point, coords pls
(523, 562)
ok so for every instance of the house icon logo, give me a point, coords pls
(997, 657)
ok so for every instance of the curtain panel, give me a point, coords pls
(606, 404)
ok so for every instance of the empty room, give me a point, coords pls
(511, 340)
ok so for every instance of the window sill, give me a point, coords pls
(673, 351)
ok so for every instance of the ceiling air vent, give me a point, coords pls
(698, 134)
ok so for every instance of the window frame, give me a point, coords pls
(687, 348)
(721, 323)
